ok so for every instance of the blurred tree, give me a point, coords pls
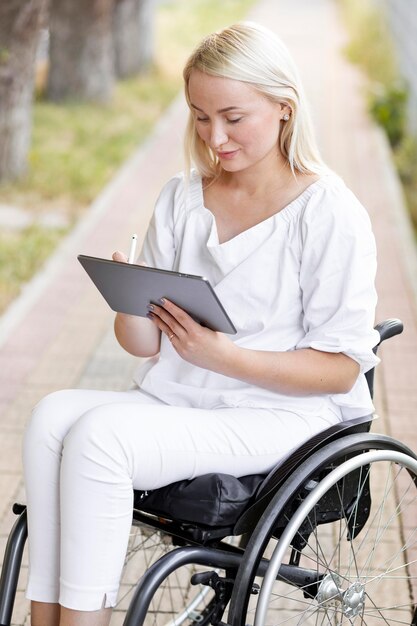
(81, 59)
(20, 23)
(133, 32)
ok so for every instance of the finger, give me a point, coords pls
(168, 320)
(163, 326)
(165, 315)
(179, 314)
(119, 256)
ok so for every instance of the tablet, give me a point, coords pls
(129, 288)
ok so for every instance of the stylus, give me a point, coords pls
(132, 252)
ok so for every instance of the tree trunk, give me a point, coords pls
(81, 50)
(20, 22)
(133, 32)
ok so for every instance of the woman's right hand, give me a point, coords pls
(119, 256)
(122, 258)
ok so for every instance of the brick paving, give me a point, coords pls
(59, 332)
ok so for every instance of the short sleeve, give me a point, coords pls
(159, 248)
(338, 267)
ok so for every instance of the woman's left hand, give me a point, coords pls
(194, 343)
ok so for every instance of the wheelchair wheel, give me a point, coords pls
(338, 544)
(176, 601)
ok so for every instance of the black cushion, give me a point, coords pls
(219, 500)
(209, 500)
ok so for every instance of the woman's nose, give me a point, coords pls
(218, 136)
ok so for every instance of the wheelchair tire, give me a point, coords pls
(315, 567)
(176, 601)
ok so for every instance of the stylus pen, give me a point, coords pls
(132, 252)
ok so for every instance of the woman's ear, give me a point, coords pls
(285, 111)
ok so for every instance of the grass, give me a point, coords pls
(16, 268)
(372, 48)
(77, 148)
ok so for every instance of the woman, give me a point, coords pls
(290, 252)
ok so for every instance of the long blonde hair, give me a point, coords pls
(252, 54)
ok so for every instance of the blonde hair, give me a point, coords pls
(252, 54)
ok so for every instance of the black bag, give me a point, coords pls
(209, 500)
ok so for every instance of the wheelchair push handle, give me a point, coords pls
(387, 329)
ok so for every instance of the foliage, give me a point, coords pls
(405, 158)
(372, 48)
(389, 108)
(370, 44)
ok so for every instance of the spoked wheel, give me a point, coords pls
(177, 601)
(346, 551)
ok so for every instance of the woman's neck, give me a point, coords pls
(255, 180)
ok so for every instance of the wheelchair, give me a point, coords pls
(328, 537)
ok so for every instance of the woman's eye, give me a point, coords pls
(202, 119)
(234, 120)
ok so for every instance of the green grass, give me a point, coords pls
(77, 148)
(16, 265)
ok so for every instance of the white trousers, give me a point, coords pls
(85, 451)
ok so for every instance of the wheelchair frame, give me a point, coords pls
(200, 545)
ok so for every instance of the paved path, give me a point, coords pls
(59, 333)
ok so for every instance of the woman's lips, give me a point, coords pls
(227, 155)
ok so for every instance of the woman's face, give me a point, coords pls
(240, 125)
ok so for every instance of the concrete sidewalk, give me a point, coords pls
(58, 334)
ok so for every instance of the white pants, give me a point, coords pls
(85, 451)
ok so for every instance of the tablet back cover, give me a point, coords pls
(129, 288)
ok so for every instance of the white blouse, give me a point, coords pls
(302, 278)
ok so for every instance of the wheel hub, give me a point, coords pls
(330, 592)
(354, 600)
(351, 601)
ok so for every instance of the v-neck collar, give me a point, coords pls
(283, 213)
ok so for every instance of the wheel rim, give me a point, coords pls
(370, 580)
